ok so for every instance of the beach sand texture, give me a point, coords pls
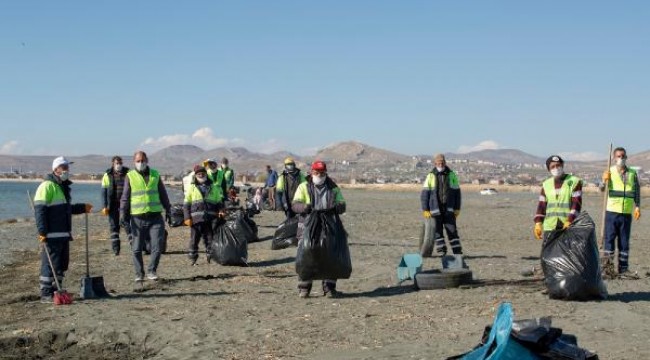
(212, 311)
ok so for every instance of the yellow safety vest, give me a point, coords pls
(621, 194)
(144, 196)
(558, 206)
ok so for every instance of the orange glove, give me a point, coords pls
(105, 211)
(42, 238)
(187, 222)
(607, 176)
(456, 213)
(89, 208)
(565, 225)
(538, 231)
(426, 214)
(637, 213)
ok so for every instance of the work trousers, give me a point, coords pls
(150, 226)
(202, 230)
(617, 235)
(447, 221)
(114, 227)
(59, 249)
(328, 285)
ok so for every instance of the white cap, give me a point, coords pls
(60, 161)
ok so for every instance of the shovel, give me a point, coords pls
(91, 287)
(60, 297)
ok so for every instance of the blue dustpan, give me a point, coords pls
(409, 265)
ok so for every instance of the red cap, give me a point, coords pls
(319, 166)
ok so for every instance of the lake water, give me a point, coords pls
(14, 202)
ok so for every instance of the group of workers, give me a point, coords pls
(135, 198)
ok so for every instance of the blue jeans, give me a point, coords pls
(153, 226)
(617, 234)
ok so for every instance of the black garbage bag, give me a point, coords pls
(285, 234)
(176, 215)
(227, 248)
(323, 251)
(242, 225)
(571, 264)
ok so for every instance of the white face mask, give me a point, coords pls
(64, 176)
(318, 180)
(557, 172)
(201, 179)
(117, 167)
(141, 166)
(440, 169)
(620, 162)
(290, 167)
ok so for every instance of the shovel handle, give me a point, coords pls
(49, 260)
(87, 258)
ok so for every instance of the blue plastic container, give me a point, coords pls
(409, 265)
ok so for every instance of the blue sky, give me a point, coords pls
(416, 77)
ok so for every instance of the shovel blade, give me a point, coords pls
(93, 288)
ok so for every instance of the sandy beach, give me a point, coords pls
(212, 311)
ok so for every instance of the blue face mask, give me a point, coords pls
(64, 176)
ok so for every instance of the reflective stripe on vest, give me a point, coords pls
(558, 206)
(621, 194)
(144, 196)
(54, 235)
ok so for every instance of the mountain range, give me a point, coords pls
(177, 159)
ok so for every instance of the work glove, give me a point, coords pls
(565, 225)
(308, 209)
(456, 213)
(42, 238)
(637, 213)
(538, 231)
(339, 208)
(187, 222)
(105, 211)
(426, 214)
(607, 176)
(89, 208)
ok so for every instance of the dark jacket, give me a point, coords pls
(55, 218)
(444, 196)
(108, 193)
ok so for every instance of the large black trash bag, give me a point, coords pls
(570, 262)
(285, 234)
(176, 215)
(323, 251)
(226, 247)
(242, 225)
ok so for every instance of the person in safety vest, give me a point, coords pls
(623, 203)
(143, 201)
(202, 206)
(214, 174)
(227, 175)
(560, 200)
(53, 210)
(287, 184)
(440, 198)
(318, 192)
(112, 187)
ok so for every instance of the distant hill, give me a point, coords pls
(361, 153)
(500, 156)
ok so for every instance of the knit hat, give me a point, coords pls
(199, 169)
(553, 158)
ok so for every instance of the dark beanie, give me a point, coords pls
(553, 158)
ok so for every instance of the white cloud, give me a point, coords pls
(582, 156)
(11, 147)
(205, 139)
(483, 145)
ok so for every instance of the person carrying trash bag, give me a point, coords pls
(319, 202)
(112, 187)
(287, 184)
(202, 206)
(623, 203)
(560, 200)
(440, 199)
(53, 212)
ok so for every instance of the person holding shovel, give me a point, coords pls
(53, 210)
(560, 199)
(623, 203)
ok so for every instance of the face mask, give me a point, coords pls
(620, 162)
(140, 166)
(201, 179)
(318, 180)
(64, 176)
(117, 167)
(440, 169)
(290, 167)
(557, 172)
(224, 166)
